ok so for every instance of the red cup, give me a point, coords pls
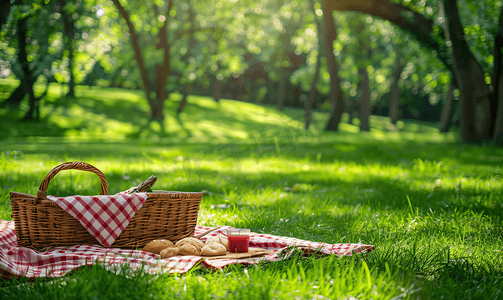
(239, 240)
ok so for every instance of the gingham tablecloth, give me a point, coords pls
(58, 261)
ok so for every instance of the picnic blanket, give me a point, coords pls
(58, 261)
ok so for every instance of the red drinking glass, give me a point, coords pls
(239, 240)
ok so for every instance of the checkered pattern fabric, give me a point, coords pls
(56, 262)
(104, 217)
(282, 246)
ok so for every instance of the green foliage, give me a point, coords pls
(43, 44)
(480, 20)
(230, 38)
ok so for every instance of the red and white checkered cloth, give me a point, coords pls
(56, 262)
(104, 217)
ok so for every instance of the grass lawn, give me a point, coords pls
(432, 206)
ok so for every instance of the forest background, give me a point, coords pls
(426, 60)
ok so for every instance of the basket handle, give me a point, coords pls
(42, 190)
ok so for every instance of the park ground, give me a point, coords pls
(430, 205)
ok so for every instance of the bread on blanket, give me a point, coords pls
(220, 239)
(190, 241)
(156, 246)
(213, 249)
(170, 252)
(189, 249)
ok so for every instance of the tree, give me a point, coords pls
(287, 58)
(476, 99)
(157, 30)
(365, 107)
(336, 95)
(362, 62)
(445, 120)
(162, 45)
(69, 14)
(257, 54)
(475, 95)
(50, 23)
(497, 80)
(5, 7)
(314, 82)
(395, 89)
(417, 24)
(35, 52)
(185, 58)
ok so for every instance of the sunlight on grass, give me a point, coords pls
(430, 205)
(94, 114)
(349, 128)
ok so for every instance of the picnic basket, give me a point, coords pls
(40, 222)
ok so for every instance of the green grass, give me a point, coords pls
(431, 205)
(297, 278)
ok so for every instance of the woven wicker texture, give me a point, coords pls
(41, 223)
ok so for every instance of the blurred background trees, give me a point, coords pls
(427, 60)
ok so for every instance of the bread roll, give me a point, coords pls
(221, 239)
(170, 252)
(191, 241)
(189, 249)
(213, 249)
(156, 246)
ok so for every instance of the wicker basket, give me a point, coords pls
(40, 223)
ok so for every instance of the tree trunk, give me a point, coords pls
(312, 92)
(184, 102)
(31, 114)
(281, 90)
(17, 96)
(71, 84)
(497, 80)
(352, 106)
(447, 111)
(365, 101)
(34, 110)
(241, 87)
(139, 59)
(185, 58)
(157, 111)
(5, 7)
(475, 105)
(498, 125)
(216, 89)
(394, 101)
(69, 32)
(296, 96)
(364, 86)
(25, 67)
(162, 71)
(445, 118)
(336, 95)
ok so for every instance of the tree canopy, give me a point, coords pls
(389, 57)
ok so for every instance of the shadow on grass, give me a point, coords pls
(316, 189)
(96, 110)
(13, 126)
